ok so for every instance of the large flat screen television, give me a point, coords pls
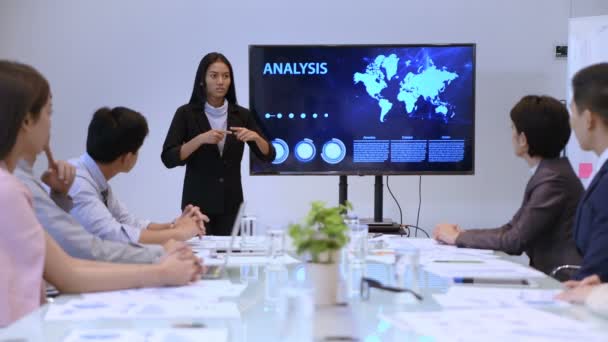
(365, 109)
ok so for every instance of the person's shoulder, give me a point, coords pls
(601, 188)
(240, 110)
(558, 169)
(11, 188)
(597, 195)
(77, 162)
(84, 180)
(27, 179)
(81, 169)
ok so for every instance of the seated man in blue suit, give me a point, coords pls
(589, 120)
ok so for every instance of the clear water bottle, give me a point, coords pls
(407, 268)
(357, 239)
(275, 279)
(351, 221)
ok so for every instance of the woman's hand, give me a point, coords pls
(212, 137)
(244, 134)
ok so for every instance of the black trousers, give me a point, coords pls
(220, 224)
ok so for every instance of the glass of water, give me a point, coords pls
(248, 228)
(296, 313)
(249, 273)
(357, 245)
(407, 261)
(275, 239)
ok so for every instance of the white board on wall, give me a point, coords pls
(587, 45)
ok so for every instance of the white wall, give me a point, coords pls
(143, 54)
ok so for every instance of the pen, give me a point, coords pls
(460, 261)
(496, 281)
(383, 252)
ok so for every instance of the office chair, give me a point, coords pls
(564, 272)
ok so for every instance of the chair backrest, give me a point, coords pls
(564, 272)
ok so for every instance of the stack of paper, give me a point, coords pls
(459, 297)
(155, 335)
(507, 324)
(222, 242)
(87, 309)
(200, 299)
(204, 290)
(250, 260)
(430, 251)
(489, 268)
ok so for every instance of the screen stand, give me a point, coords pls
(343, 190)
(378, 220)
(378, 224)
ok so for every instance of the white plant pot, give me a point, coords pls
(324, 278)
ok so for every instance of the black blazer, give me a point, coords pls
(542, 227)
(212, 182)
(591, 227)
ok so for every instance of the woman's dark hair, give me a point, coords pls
(199, 91)
(115, 132)
(590, 88)
(23, 90)
(545, 122)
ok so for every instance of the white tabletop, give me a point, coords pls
(262, 320)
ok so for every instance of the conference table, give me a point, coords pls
(264, 316)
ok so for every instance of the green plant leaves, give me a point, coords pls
(323, 230)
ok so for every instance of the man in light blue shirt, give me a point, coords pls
(113, 141)
(52, 210)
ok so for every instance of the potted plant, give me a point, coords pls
(322, 235)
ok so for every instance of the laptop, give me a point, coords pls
(217, 271)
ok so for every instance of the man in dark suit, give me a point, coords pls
(590, 124)
(542, 227)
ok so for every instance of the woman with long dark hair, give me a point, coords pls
(207, 135)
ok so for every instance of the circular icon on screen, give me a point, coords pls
(282, 150)
(333, 151)
(305, 150)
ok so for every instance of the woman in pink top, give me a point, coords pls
(27, 253)
(22, 246)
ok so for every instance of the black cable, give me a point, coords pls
(419, 203)
(396, 202)
(417, 229)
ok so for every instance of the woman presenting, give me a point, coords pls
(207, 135)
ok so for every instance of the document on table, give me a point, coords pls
(490, 268)
(153, 335)
(387, 256)
(459, 297)
(88, 309)
(238, 260)
(429, 244)
(202, 290)
(221, 242)
(430, 251)
(506, 324)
